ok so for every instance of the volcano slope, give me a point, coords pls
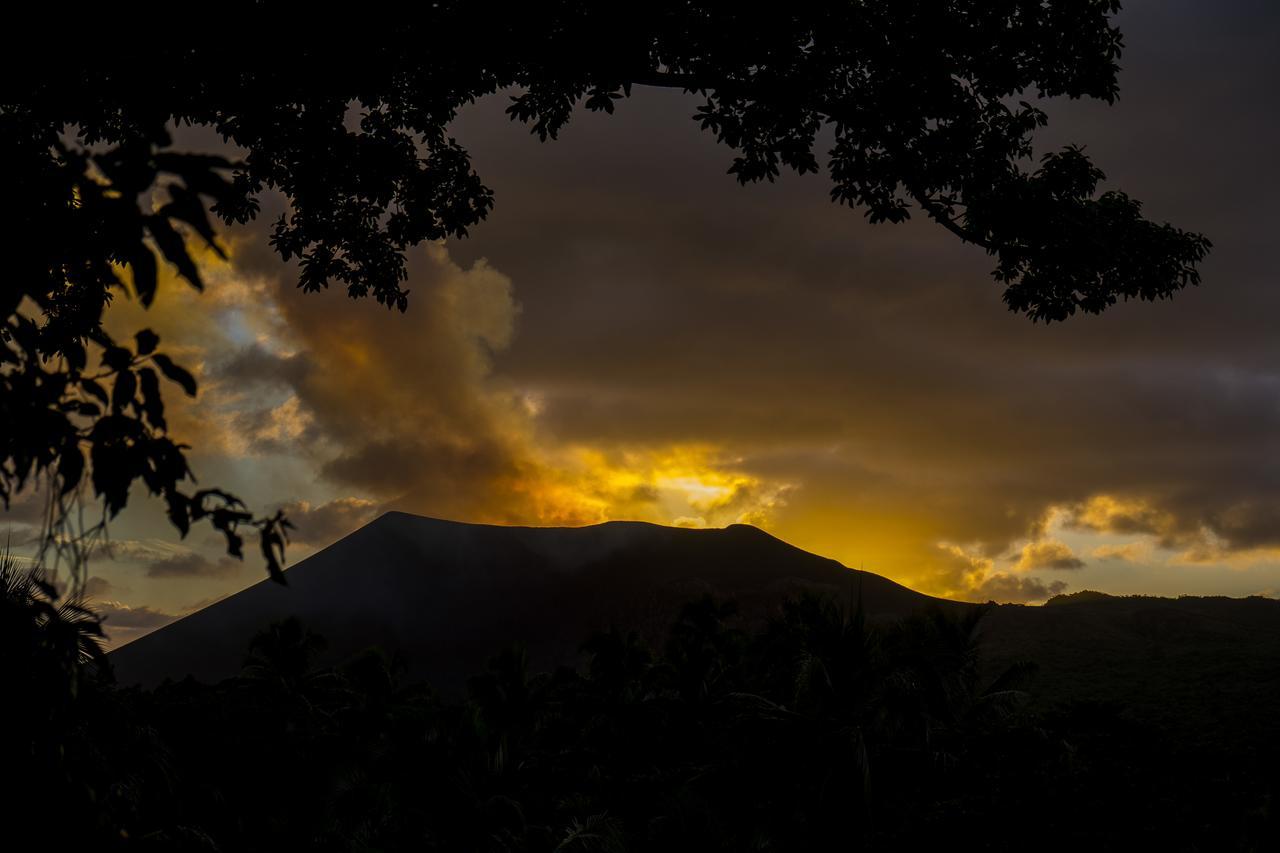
(447, 596)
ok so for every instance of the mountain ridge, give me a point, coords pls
(448, 594)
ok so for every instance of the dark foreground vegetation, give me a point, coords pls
(815, 731)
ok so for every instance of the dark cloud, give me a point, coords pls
(1129, 552)
(137, 550)
(118, 617)
(192, 565)
(26, 511)
(96, 587)
(1016, 589)
(256, 364)
(662, 302)
(320, 525)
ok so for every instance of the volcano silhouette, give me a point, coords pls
(446, 595)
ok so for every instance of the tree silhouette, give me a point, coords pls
(821, 730)
(283, 654)
(931, 105)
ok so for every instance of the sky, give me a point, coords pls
(632, 335)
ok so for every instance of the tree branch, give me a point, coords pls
(935, 211)
(939, 214)
(669, 80)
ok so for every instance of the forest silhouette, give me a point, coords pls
(813, 729)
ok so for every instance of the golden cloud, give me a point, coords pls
(403, 411)
(968, 575)
(1047, 554)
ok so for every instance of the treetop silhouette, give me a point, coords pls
(931, 105)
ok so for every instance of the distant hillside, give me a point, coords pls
(1207, 668)
(448, 595)
(1081, 597)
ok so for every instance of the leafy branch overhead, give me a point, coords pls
(931, 106)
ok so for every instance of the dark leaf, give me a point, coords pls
(117, 358)
(225, 497)
(174, 373)
(187, 207)
(96, 390)
(143, 264)
(70, 466)
(75, 354)
(147, 341)
(271, 543)
(226, 519)
(235, 544)
(152, 405)
(179, 507)
(125, 387)
(174, 249)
